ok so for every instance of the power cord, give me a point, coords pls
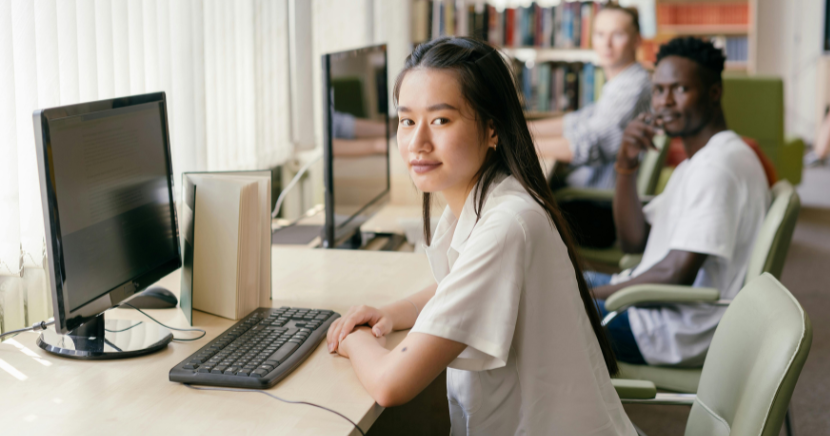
(280, 399)
(171, 328)
(36, 327)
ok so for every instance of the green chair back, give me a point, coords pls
(651, 166)
(773, 240)
(754, 107)
(756, 356)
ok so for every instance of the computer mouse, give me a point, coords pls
(154, 298)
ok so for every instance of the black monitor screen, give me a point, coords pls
(358, 116)
(113, 196)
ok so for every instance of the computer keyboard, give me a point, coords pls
(258, 351)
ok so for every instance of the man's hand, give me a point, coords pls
(637, 137)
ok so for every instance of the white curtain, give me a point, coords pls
(222, 63)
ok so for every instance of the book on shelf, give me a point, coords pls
(737, 49)
(567, 25)
(226, 248)
(702, 14)
(560, 87)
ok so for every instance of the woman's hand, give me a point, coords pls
(358, 334)
(379, 321)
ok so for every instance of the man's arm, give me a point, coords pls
(677, 268)
(546, 127)
(555, 147)
(632, 227)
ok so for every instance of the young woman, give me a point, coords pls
(510, 317)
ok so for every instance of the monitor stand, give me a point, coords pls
(106, 339)
(359, 240)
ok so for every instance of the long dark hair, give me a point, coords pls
(489, 87)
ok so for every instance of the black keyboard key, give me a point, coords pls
(191, 366)
(243, 372)
(259, 373)
(205, 369)
(284, 352)
(231, 370)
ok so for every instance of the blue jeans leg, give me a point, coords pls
(595, 279)
(621, 337)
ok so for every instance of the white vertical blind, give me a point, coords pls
(223, 65)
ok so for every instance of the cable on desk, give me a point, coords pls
(280, 399)
(171, 328)
(124, 330)
(36, 327)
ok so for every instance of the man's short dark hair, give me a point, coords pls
(704, 53)
(630, 11)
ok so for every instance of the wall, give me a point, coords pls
(789, 45)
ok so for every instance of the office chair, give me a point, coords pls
(647, 178)
(768, 255)
(751, 369)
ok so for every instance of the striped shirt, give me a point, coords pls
(595, 131)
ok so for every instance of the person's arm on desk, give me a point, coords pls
(400, 315)
(394, 377)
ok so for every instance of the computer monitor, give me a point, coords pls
(106, 182)
(356, 141)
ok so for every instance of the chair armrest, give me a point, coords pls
(659, 293)
(630, 261)
(664, 399)
(634, 389)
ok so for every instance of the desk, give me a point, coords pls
(133, 396)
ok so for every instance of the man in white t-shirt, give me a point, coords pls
(700, 231)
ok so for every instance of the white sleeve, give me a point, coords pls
(711, 213)
(477, 303)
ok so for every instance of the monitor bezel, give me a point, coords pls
(67, 319)
(332, 234)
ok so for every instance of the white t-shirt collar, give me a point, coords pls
(717, 140)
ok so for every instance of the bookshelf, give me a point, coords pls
(542, 54)
(549, 44)
(705, 29)
(729, 23)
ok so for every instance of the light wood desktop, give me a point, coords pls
(56, 395)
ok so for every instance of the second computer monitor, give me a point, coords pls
(356, 139)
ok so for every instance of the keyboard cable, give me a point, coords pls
(259, 391)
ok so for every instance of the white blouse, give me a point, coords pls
(507, 289)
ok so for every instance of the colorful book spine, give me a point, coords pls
(509, 24)
(587, 85)
(587, 15)
(702, 13)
